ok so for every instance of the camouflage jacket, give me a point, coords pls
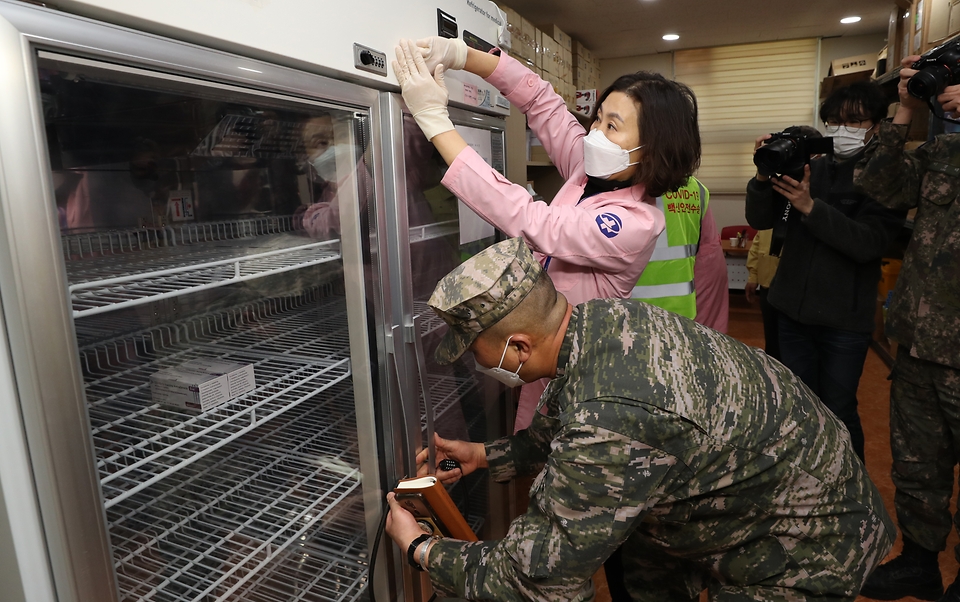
(924, 314)
(662, 429)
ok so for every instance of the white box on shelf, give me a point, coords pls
(202, 384)
(240, 378)
(189, 389)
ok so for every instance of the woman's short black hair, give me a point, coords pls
(857, 102)
(668, 129)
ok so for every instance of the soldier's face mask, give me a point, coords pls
(511, 379)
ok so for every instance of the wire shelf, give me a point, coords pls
(429, 320)
(231, 527)
(172, 272)
(446, 392)
(303, 575)
(81, 245)
(296, 327)
(94, 329)
(139, 442)
(431, 231)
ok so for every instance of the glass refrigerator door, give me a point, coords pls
(218, 277)
(442, 234)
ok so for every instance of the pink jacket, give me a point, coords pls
(710, 277)
(598, 247)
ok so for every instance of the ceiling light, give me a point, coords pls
(849, 19)
(671, 37)
(249, 69)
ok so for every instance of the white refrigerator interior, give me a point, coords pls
(198, 225)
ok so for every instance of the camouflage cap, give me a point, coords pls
(480, 292)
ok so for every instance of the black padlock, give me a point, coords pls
(449, 464)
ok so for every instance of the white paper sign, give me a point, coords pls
(472, 226)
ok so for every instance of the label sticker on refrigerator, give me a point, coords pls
(180, 205)
(469, 94)
(484, 99)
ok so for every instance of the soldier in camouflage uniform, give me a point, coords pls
(924, 319)
(713, 465)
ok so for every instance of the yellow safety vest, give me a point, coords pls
(667, 281)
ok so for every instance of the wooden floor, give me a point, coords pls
(874, 398)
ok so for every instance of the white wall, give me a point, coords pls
(728, 208)
(611, 69)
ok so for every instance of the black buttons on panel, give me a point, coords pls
(369, 59)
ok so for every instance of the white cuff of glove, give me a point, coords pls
(461, 60)
(433, 121)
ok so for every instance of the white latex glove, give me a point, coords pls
(449, 52)
(425, 93)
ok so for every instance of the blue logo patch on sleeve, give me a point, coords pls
(610, 224)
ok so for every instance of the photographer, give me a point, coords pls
(924, 319)
(832, 240)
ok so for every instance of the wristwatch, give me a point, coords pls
(412, 550)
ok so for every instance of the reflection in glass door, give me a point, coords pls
(201, 231)
(466, 405)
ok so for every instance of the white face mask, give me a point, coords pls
(603, 158)
(326, 164)
(846, 142)
(511, 379)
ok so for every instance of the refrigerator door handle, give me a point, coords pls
(393, 338)
(425, 387)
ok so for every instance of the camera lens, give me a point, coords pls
(775, 157)
(928, 82)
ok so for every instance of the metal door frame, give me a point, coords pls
(403, 331)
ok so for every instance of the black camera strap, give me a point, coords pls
(779, 234)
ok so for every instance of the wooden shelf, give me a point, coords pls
(539, 164)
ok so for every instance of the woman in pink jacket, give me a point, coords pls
(598, 233)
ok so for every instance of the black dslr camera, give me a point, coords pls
(786, 152)
(937, 69)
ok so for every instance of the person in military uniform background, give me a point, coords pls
(713, 465)
(924, 319)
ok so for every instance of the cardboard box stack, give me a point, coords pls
(523, 41)
(586, 68)
(535, 151)
(846, 71)
(549, 54)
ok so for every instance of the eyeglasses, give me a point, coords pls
(851, 127)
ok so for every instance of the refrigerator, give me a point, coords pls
(217, 353)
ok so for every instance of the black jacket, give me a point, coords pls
(830, 261)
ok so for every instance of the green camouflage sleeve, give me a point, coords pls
(524, 453)
(887, 173)
(596, 485)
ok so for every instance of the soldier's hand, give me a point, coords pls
(908, 102)
(950, 100)
(470, 456)
(401, 526)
